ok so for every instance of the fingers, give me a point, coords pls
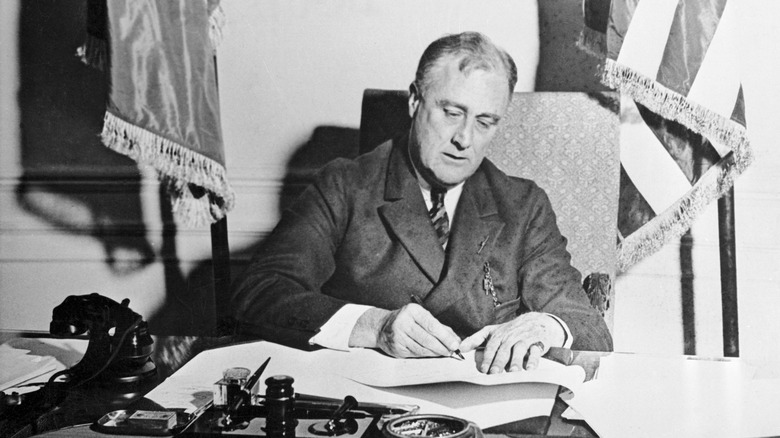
(499, 351)
(423, 335)
(475, 340)
(535, 352)
(440, 335)
(514, 345)
(413, 332)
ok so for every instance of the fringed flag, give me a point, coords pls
(677, 60)
(163, 105)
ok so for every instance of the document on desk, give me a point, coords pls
(373, 368)
(18, 366)
(641, 395)
(465, 393)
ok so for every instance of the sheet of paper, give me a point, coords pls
(17, 366)
(760, 412)
(373, 368)
(321, 373)
(637, 395)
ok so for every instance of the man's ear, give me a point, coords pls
(414, 99)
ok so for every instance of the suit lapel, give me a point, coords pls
(475, 230)
(406, 216)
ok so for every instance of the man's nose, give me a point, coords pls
(464, 135)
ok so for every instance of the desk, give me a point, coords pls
(173, 352)
(79, 407)
(170, 353)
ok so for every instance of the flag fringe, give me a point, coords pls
(678, 218)
(673, 222)
(94, 52)
(674, 106)
(179, 167)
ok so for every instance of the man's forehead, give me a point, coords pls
(478, 91)
(449, 67)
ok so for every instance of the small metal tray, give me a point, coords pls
(115, 422)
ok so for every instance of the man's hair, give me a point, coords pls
(476, 52)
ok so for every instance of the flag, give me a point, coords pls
(163, 105)
(675, 62)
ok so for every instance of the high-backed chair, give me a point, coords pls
(569, 144)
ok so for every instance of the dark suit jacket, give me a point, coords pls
(361, 234)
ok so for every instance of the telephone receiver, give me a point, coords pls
(120, 347)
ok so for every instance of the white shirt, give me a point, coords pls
(335, 333)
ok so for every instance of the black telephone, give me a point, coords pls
(116, 369)
(119, 347)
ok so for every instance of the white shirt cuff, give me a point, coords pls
(569, 338)
(334, 334)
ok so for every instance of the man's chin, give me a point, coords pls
(449, 182)
(451, 179)
(446, 177)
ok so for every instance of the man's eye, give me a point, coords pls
(486, 124)
(452, 113)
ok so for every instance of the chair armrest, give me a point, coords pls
(598, 287)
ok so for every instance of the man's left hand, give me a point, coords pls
(507, 344)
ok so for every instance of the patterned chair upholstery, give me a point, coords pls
(568, 142)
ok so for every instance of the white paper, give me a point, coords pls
(321, 373)
(17, 366)
(373, 368)
(762, 404)
(637, 395)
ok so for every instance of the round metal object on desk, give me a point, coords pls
(430, 426)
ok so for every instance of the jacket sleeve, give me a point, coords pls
(278, 297)
(549, 283)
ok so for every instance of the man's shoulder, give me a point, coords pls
(368, 166)
(511, 185)
(516, 198)
(375, 157)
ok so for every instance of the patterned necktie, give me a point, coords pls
(439, 217)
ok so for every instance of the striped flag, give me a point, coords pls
(683, 139)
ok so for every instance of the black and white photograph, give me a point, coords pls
(389, 219)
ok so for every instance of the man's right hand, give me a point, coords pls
(410, 331)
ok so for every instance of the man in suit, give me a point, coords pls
(422, 247)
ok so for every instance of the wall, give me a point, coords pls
(289, 67)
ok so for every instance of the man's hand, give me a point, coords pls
(410, 331)
(507, 344)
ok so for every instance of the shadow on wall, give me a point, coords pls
(69, 178)
(77, 185)
(326, 144)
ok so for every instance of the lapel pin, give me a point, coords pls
(483, 243)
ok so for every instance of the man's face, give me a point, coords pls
(454, 120)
